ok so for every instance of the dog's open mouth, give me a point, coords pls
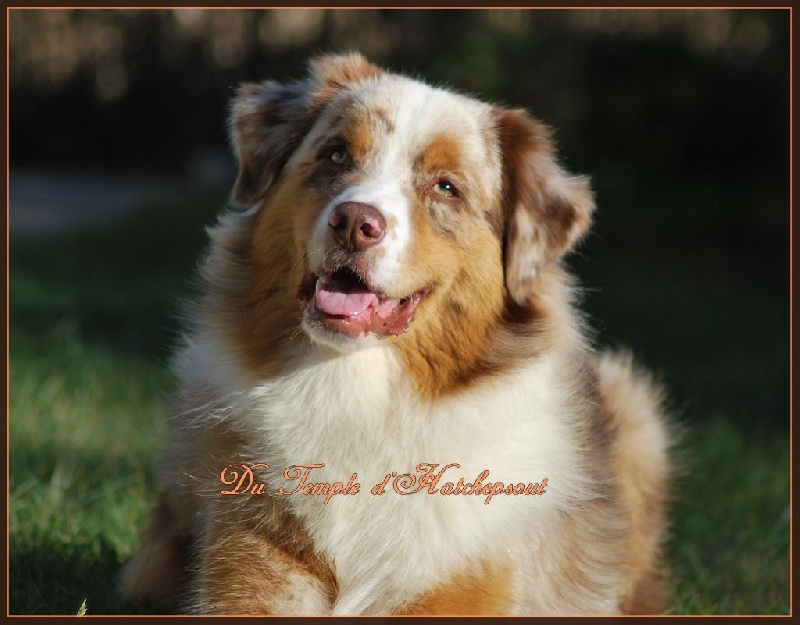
(345, 303)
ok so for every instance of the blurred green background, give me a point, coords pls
(119, 159)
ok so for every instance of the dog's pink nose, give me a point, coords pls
(357, 226)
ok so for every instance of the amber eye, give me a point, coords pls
(446, 189)
(338, 155)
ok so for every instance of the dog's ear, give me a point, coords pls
(267, 123)
(336, 72)
(545, 210)
(269, 120)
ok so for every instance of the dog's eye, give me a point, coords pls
(446, 189)
(338, 155)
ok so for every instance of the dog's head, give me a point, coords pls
(393, 208)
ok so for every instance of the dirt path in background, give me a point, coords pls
(42, 201)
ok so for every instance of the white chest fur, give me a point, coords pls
(356, 414)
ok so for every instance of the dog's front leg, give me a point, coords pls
(242, 571)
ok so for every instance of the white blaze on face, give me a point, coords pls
(417, 114)
(386, 194)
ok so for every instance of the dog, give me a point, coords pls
(387, 402)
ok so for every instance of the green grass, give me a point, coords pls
(93, 316)
(84, 430)
(730, 537)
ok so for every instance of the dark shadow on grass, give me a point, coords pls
(54, 578)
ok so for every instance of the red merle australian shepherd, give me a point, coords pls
(387, 403)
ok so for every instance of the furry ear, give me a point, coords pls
(337, 72)
(546, 211)
(269, 120)
(267, 123)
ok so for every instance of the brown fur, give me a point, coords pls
(488, 343)
(498, 299)
(439, 367)
(270, 120)
(225, 533)
(442, 155)
(559, 205)
(278, 567)
(358, 131)
(337, 73)
(485, 591)
(266, 312)
(159, 569)
(640, 467)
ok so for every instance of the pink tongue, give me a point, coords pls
(344, 302)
